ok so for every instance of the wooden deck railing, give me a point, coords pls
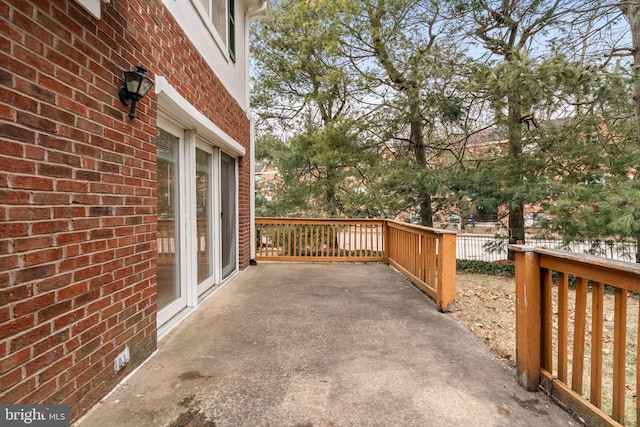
(575, 364)
(319, 240)
(425, 255)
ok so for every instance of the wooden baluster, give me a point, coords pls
(407, 248)
(279, 235)
(597, 315)
(619, 353)
(424, 257)
(407, 253)
(578, 335)
(563, 325)
(352, 240)
(316, 230)
(293, 239)
(415, 238)
(433, 261)
(546, 282)
(345, 240)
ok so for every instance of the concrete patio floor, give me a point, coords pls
(311, 345)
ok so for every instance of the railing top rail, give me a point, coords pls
(390, 222)
(269, 220)
(419, 227)
(480, 236)
(627, 267)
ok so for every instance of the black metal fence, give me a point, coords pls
(494, 248)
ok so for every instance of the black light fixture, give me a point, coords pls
(136, 86)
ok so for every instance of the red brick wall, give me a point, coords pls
(77, 191)
(244, 204)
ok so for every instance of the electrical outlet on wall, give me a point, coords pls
(121, 360)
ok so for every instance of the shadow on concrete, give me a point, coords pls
(322, 345)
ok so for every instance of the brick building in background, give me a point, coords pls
(111, 228)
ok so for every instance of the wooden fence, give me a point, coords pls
(572, 363)
(425, 255)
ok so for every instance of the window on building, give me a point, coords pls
(486, 214)
(533, 219)
(222, 16)
(231, 18)
(92, 6)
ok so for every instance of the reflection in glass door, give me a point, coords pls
(204, 228)
(170, 292)
(228, 214)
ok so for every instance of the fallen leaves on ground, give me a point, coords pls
(485, 305)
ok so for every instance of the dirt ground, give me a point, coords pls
(485, 305)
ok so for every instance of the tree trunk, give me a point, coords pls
(410, 89)
(514, 136)
(632, 11)
(417, 139)
(330, 198)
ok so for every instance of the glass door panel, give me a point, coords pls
(171, 291)
(228, 214)
(204, 228)
(168, 237)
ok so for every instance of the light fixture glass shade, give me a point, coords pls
(145, 85)
(136, 86)
(138, 82)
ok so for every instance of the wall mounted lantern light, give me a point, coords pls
(136, 86)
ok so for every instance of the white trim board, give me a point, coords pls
(174, 104)
(93, 6)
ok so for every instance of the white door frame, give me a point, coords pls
(236, 256)
(173, 308)
(176, 112)
(214, 217)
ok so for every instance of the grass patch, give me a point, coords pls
(485, 267)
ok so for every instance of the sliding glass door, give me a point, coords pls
(171, 289)
(228, 214)
(197, 219)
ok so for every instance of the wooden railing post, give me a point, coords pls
(385, 241)
(446, 288)
(528, 316)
